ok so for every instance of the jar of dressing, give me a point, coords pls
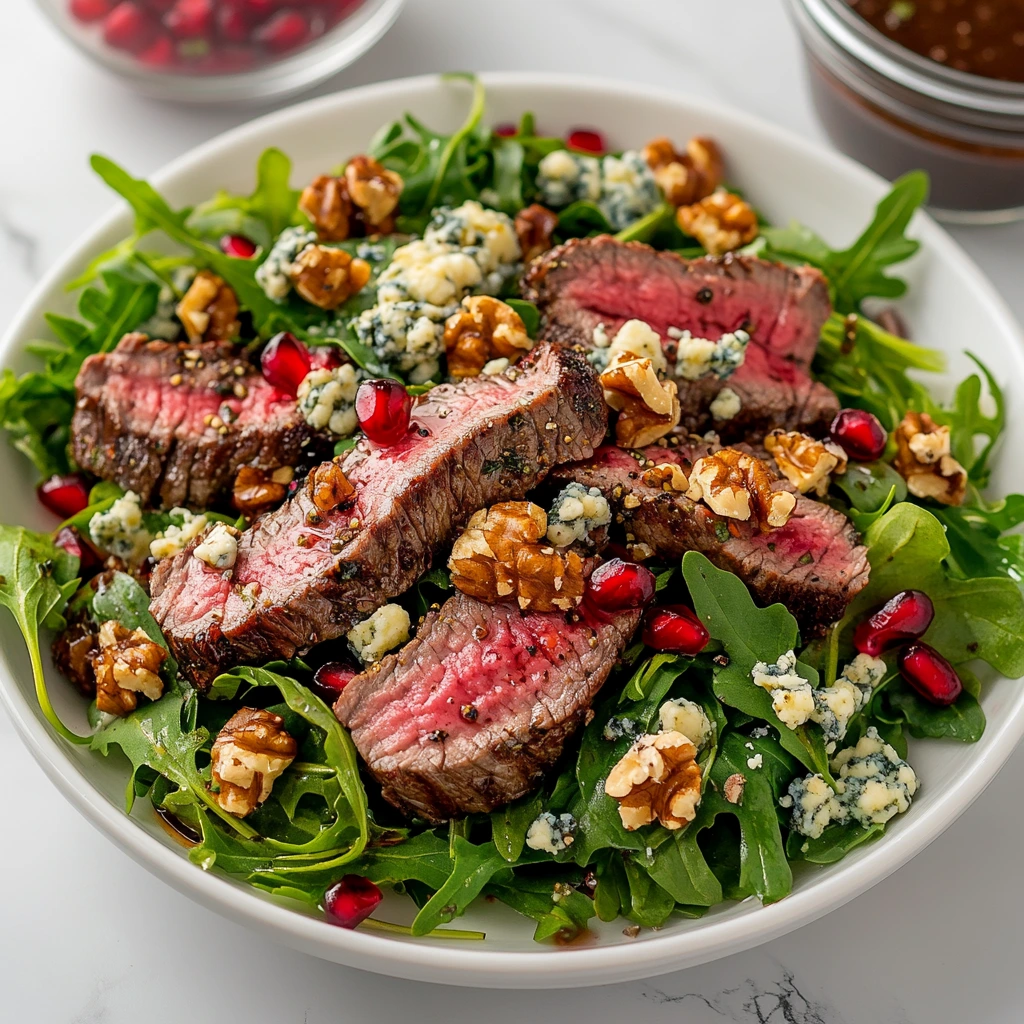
(932, 84)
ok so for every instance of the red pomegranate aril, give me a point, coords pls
(324, 357)
(64, 496)
(259, 8)
(239, 246)
(159, 54)
(383, 408)
(859, 434)
(284, 31)
(586, 140)
(285, 361)
(617, 585)
(351, 901)
(506, 131)
(906, 616)
(929, 673)
(330, 679)
(73, 543)
(190, 19)
(127, 27)
(232, 24)
(675, 628)
(90, 10)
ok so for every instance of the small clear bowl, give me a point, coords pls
(207, 68)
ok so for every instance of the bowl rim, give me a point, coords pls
(476, 966)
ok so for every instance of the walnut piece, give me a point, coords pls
(648, 407)
(73, 650)
(328, 277)
(503, 555)
(126, 664)
(329, 487)
(250, 752)
(685, 178)
(739, 486)
(375, 190)
(733, 788)
(658, 778)
(923, 459)
(328, 205)
(534, 227)
(209, 309)
(484, 329)
(721, 222)
(668, 476)
(807, 464)
(257, 490)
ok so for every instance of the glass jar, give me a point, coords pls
(895, 111)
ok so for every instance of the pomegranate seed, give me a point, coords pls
(159, 6)
(324, 357)
(929, 673)
(383, 408)
(90, 10)
(675, 628)
(126, 27)
(330, 679)
(64, 496)
(859, 434)
(260, 8)
(284, 31)
(73, 543)
(239, 246)
(903, 617)
(505, 131)
(232, 24)
(159, 54)
(586, 140)
(190, 19)
(285, 361)
(617, 585)
(351, 901)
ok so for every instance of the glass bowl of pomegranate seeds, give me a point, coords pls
(223, 51)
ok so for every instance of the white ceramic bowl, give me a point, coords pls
(950, 306)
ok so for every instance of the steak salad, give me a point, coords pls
(502, 516)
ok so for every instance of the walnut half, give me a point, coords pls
(209, 309)
(328, 277)
(250, 752)
(648, 407)
(483, 329)
(328, 205)
(375, 190)
(503, 556)
(740, 486)
(126, 664)
(807, 464)
(688, 177)
(923, 459)
(658, 778)
(535, 224)
(721, 222)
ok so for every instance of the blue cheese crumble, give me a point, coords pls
(164, 322)
(792, 695)
(725, 405)
(218, 548)
(387, 628)
(702, 357)
(575, 513)
(622, 187)
(550, 833)
(120, 530)
(274, 274)
(327, 399)
(687, 717)
(814, 805)
(184, 527)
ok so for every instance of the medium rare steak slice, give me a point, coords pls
(814, 565)
(472, 712)
(594, 281)
(302, 576)
(145, 418)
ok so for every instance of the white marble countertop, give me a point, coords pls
(87, 936)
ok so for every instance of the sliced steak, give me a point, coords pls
(301, 576)
(593, 281)
(472, 712)
(145, 419)
(814, 565)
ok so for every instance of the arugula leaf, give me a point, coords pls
(833, 844)
(528, 313)
(976, 538)
(963, 721)
(563, 911)
(510, 824)
(37, 578)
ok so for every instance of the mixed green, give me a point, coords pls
(321, 820)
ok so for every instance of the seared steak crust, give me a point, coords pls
(145, 419)
(592, 281)
(470, 714)
(302, 576)
(814, 565)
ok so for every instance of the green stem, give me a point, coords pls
(43, 697)
(832, 661)
(476, 111)
(641, 230)
(372, 924)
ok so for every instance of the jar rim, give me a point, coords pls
(861, 40)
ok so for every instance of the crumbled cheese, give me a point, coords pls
(702, 357)
(639, 339)
(327, 398)
(755, 762)
(600, 337)
(487, 236)
(495, 366)
(274, 274)
(387, 628)
(815, 806)
(616, 728)
(687, 717)
(725, 405)
(575, 513)
(551, 834)
(792, 695)
(120, 531)
(564, 178)
(835, 705)
(219, 548)
(177, 536)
